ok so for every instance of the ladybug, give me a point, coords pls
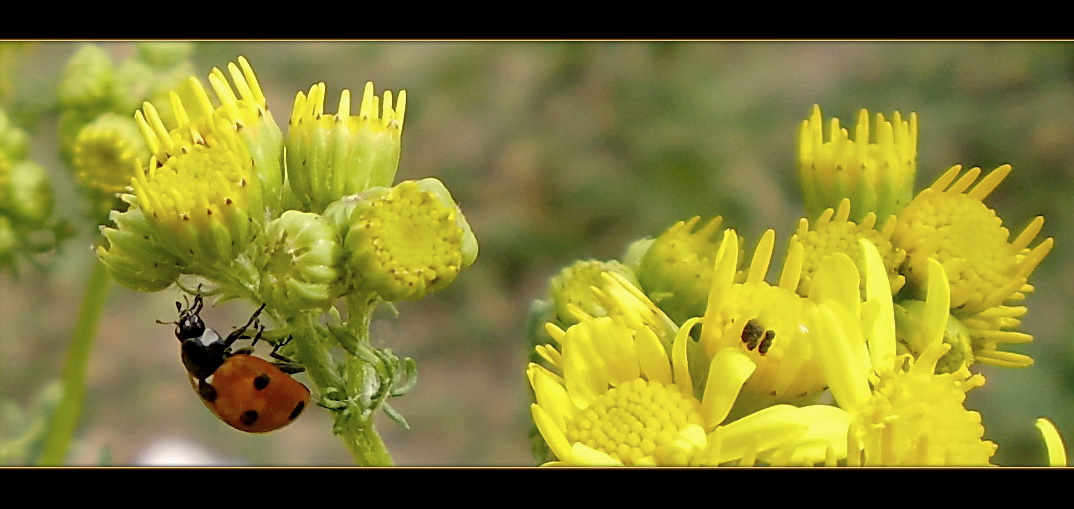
(248, 393)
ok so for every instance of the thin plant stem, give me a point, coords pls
(363, 442)
(64, 420)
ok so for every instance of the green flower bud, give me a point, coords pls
(408, 241)
(87, 80)
(131, 85)
(910, 335)
(133, 256)
(571, 290)
(162, 55)
(27, 194)
(299, 259)
(13, 145)
(107, 153)
(676, 271)
(330, 156)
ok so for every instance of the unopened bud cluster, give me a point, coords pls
(97, 98)
(214, 200)
(27, 224)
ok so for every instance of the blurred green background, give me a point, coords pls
(558, 151)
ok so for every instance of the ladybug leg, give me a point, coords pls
(249, 350)
(286, 364)
(238, 334)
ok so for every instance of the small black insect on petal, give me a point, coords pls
(751, 334)
(766, 343)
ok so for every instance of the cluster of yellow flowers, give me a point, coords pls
(861, 353)
(296, 220)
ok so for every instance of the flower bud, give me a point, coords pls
(165, 54)
(27, 194)
(107, 152)
(299, 259)
(87, 80)
(132, 255)
(330, 156)
(13, 146)
(243, 114)
(875, 171)
(408, 241)
(573, 289)
(676, 269)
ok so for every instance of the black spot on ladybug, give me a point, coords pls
(207, 391)
(297, 411)
(262, 381)
(248, 418)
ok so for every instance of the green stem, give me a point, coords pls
(363, 442)
(64, 420)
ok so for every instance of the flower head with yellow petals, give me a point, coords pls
(949, 222)
(903, 413)
(767, 322)
(616, 395)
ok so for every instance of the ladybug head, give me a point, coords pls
(189, 325)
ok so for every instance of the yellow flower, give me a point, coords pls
(903, 413)
(834, 232)
(768, 323)
(616, 395)
(988, 274)
(407, 241)
(877, 175)
(331, 156)
(204, 205)
(244, 116)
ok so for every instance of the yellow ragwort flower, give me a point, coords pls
(876, 174)
(768, 323)
(204, 205)
(407, 241)
(617, 395)
(242, 113)
(903, 413)
(949, 222)
(834, 232)
(333, 155)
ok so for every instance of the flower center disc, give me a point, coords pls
(635, 420)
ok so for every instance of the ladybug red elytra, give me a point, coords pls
(248, 393)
